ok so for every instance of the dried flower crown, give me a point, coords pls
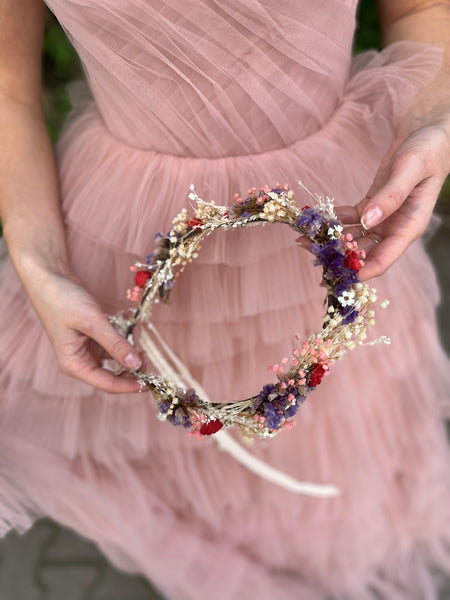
(350, 308)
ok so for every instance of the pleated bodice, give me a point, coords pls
(203, 78)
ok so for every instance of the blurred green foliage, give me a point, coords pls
(60, 66)
(368, 34)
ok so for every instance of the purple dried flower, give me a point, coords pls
(334, 223)
(347, 278)
(263, 395)
(331, 258)
(268, 389)
(163, 406)
(349, 314)
(291, 410)
(281, 402)
(310, 221)
(180, 418)
(342, 287)
(257, 401)
(190, 396)
(351, 275)
(273, 417)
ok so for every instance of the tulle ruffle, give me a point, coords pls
(134, 194)
(113, 472)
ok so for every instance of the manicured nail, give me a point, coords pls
(371, 218)
(132, 360)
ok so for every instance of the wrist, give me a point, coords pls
(29, 262)
(40, 252)
(426, 110)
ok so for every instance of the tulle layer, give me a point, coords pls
(228, 324)
(114, 473)
(125, 197)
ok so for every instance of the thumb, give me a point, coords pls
(406, 173)
(115, 345)
(367, 207)
(384, 169)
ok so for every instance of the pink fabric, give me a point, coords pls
(227, 95)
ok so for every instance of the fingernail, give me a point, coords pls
(371, 218)
(132, 360)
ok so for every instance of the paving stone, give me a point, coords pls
(113, 584)
(50, 562)
(65, 545)
(19, 563)
(70, 581)
(439, 250)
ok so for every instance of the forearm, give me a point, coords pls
(29, 196)
(426, 22)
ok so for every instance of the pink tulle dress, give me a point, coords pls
(228, 95)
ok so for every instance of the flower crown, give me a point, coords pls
(350, 308)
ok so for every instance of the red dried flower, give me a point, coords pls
(211, 427)
(141, 278)
(316, 375)
(352, 261)
(305, 207)
(194, 223)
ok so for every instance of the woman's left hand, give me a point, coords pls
(400, 201)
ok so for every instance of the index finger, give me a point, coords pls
(105, 380)
(348, 215)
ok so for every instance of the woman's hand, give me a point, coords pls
(399, 204)
(400, 201)
(30, 211)
(79, 331)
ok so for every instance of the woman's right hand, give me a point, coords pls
(79, 331)
(30, 211)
